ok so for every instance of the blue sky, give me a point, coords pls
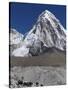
(23, 15)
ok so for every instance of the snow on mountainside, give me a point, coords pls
(47, 33)
(16, 39)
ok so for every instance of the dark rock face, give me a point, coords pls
(28, 84)
(34, 51)
(20, 82)
(37, 84)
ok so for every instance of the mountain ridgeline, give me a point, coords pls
(47, 35)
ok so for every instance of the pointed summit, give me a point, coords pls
(47, 33)
(48, 30)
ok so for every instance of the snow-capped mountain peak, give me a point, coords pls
(16, 40)
(51, 17)
(48, 32)
(15, 36)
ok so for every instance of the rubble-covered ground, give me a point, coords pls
(37, 76)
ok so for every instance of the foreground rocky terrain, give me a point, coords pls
(37, 76)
